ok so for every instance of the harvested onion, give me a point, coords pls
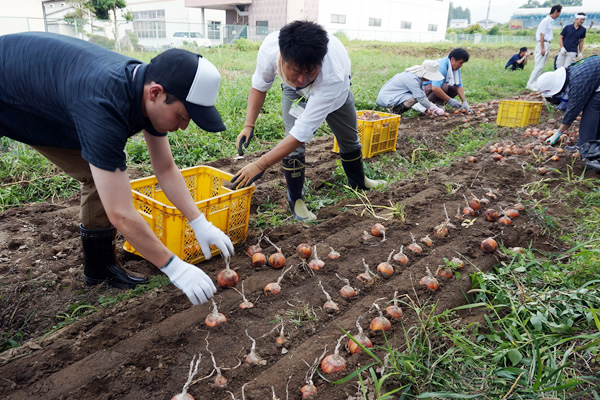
(360, 338)
(334, 362)
(401, 257)
(333, 254)
(227, 277)
(303, 250)
(489, 245)
(380, 323)
(316, 264)
(393, 310)
(215, 318)
(386, 269)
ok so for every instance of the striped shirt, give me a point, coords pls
(584, 79)
(64, 92)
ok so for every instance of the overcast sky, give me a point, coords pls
(500, 10)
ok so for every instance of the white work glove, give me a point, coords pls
(552, 140)
(453, 103)
(435, 110)
(562, 51)
(580, 55)
(191, 280)
(207, 234)
(465, 106)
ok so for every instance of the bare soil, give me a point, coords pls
(142, 347)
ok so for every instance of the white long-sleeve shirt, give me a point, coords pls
(327, 93)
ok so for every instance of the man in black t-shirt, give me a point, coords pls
(518, 60)
(571, 42)
(77, 104)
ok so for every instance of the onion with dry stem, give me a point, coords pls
(215, 318)
(360, 338)
(393, 310)
(227, 278)
(316, 264)
(303, 250)
(276, 260)
(400, 256)
(334, 362)
(367, 276)
(386, 269)
(429, 281)
(330, 305)
(346, 291)
(333, 254)
(184, 395)
(380, 323)
(253, 358)
(414, 247)
(275, 287)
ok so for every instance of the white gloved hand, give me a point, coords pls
(562, 51)
(552, 140)
(435, 110)
(465, 106)
(207, 234)
(453, 103)
(580, 55)
(191, 280)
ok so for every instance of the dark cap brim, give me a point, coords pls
(207, 118)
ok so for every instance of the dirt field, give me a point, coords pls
(142, 348)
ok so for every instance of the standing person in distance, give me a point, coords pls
(446, 89)
(315, 69)
(571, 42)
(518, 60)
(77, 103)
(404, 90)
(543, 38)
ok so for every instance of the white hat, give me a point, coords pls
(551, 83)
(429, 70)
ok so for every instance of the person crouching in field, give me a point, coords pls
(315, 70)
(77, 104)
(519, 60)
(403, 91)
(579, 86)
(446, 89)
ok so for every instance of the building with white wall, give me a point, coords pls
(385, 20)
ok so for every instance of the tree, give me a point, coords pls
(102, 9)
(458, 13)
(83, 10)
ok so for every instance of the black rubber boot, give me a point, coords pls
(293, 169)
(101, 264)
(353, 167)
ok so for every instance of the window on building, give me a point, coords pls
(214, 30)
(374, 21)
(338, 19)
(150, 24)
(262, 27)
(432, 28)
(405, 25)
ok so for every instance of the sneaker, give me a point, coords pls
(594, 165)
(572, 149)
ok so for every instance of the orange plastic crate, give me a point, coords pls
(377, 136)
(228, 210)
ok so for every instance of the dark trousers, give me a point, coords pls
(451, 91)
(589, 127)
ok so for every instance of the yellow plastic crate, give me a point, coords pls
(519, 113)
(378, 136)
(228, 210)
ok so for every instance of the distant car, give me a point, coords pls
(183, 39)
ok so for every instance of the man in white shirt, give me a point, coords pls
(543, 37)
(315, 70)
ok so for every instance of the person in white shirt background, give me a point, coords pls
(543, 37)
(315, 69)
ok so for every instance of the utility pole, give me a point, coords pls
(487, 17)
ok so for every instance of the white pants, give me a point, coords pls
(564, 60)
(540, 61)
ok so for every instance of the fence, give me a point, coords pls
(157, 35)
